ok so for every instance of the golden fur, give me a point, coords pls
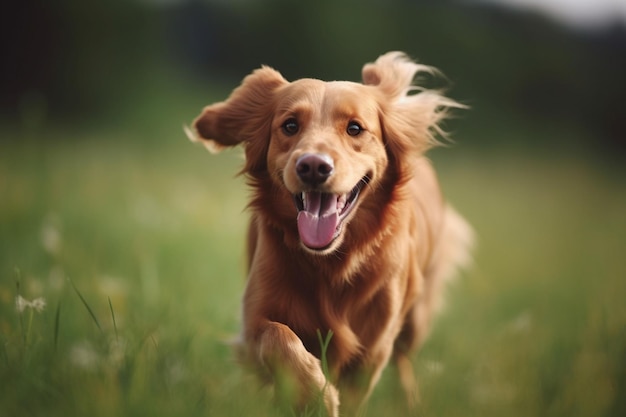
(377, 282)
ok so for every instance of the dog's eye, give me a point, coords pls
(354, 129)
(290, 127)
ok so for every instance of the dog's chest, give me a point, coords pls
(357, 327)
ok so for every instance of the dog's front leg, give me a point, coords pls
(297, 374)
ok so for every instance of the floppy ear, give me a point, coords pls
(410, 115)
(245, 117)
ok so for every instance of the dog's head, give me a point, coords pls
(326, 146)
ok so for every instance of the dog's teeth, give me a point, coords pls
(341, 202)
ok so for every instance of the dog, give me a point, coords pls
(350, 237)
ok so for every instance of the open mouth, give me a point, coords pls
(321, 215)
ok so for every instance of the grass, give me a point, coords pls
(137, 250)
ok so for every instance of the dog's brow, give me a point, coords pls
(299, 108)
(348, 110)
(346, 113)
(293, 106)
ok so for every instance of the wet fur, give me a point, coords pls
(379, 284)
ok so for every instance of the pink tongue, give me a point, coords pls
(318, 222)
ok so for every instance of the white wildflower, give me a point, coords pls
(84, 356)
(117, 352)
(434, 367)
(176, 372)
(38, 304)
(22, 304)
(56, 278)
(51, 235)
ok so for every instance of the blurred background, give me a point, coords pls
(539, 66)
(133, 237)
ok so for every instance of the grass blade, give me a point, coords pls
(324, 342)
(18, 279)
(324, 345)
(113, 317)
(93, 316)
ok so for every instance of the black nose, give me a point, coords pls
(314, 169)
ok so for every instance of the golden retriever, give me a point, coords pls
(349, 231)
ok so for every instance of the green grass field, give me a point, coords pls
(136, 247)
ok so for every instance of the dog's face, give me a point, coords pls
(325, 148)
(325, 145)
